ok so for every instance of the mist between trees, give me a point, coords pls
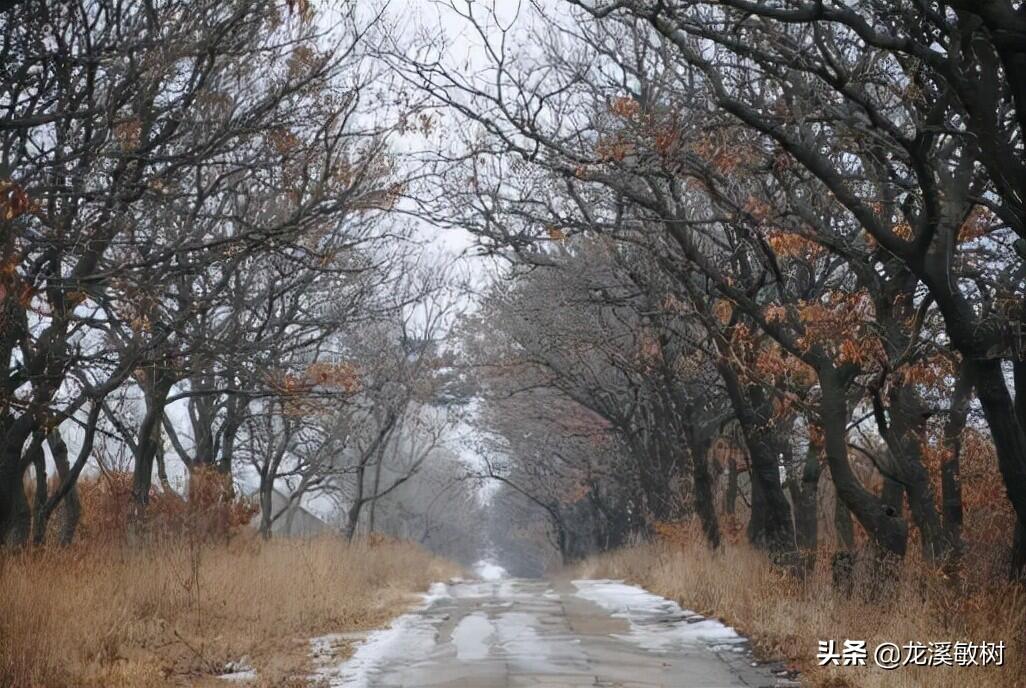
(759, 253)
(759, 264)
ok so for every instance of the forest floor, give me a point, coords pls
(785, 617)
(185, 613)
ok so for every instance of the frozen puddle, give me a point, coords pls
(471, 637)
(657, 624)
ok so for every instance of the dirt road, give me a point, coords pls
(515, 633)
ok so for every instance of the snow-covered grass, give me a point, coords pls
(785, 616)
(152, 616)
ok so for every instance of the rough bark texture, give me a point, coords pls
(771, 525)
(149, 442)
(951, 480)
(71, 510)
(805, 496)
(884, 526)
(705, 503)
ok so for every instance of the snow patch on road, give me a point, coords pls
(471, 637)
(410, 637)
(657, 624)
(489, 570)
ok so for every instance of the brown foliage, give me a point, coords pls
(625, 107)
(14, 201)
(791, 245)
(212, 510)
(842, 325)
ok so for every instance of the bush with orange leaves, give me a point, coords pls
(212, 509)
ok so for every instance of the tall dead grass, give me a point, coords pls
(175, 610)
(785, 616)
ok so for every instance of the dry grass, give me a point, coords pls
(785, 617)
(174, 613)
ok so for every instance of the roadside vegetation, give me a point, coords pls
(190, 605)
(785, 616)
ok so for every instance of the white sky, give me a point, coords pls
(414, 21)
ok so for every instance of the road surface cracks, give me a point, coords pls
(514, 633)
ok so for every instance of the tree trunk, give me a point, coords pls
(705, 504)
(561, 542)
(353, 514)
(923, 507)
(893, 495)
(1006, 428)
(757, 518)
(266, 508)
(805, 496)
(377, 487)
(730, 498)
(21, 516)
(951, 480)
(231, 431)
(902, 428)
(39, 515)
(1018, 552)
(771, 524)
(353, 519)
(13, 433)
(883, 525)
(290, 515)
(843, 525)
(147, 445)
(71, 509)
(158, 457)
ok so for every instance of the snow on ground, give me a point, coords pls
(239, 676)
(409, 636)
(239, 671)
(489, 570)
(472, 637)
(657, 624)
